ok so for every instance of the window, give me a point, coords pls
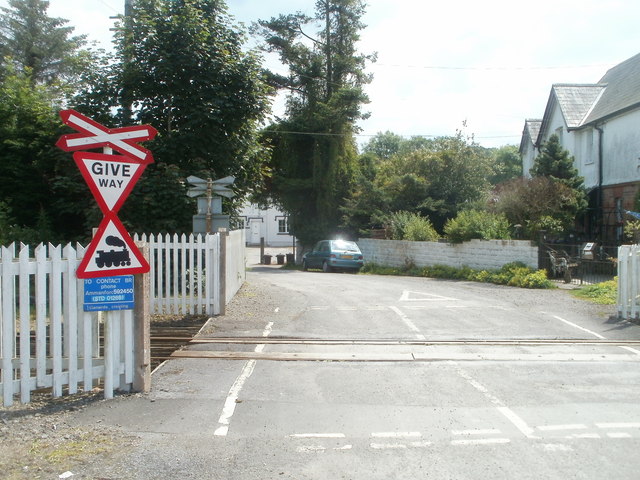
(283, 225)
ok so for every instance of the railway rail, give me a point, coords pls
(423, 349)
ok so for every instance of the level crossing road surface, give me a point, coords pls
(315, 375)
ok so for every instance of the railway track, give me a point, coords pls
(485, 349)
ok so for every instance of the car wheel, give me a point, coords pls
(304, 265)
(326, 268)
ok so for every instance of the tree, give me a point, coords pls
(555, 163)
(507, 164)
(314, 158)
(538, 203)
(181, 67)
(42, 46)
(32, 167)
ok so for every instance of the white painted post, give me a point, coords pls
(55, 316)
(7, 324)
(25, 326)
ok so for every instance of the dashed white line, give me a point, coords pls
(485, 431)
(395, 434)
(480, 441)
(618, 425)
(618, 435)
(383, 446)
(576, 426)
(317, 435)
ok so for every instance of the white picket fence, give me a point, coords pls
(184, 273)
(47, 341)
(629, 281)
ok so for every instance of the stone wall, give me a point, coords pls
(476, 254)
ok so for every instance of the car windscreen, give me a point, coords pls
(344, 246)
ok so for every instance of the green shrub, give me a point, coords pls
(514, 274)
(411, 226)
(470, 224)
(605, 293)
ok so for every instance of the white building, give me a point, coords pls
(268, 223)
(599, 124)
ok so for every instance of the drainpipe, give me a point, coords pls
(600, 175)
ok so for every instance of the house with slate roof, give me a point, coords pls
(599, 124)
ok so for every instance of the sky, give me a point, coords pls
(482, 67)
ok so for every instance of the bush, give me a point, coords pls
(605, 293)
(470, 224)
(514, 274)
(412, 227)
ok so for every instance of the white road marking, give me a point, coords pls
(619, 425)
(480, 441)
(557, 447)
(408, 323)
(317, 435)
(630, 349)
(395, 434)
(384, 446)
(231, 401)
(421, 444)
(344, 447)
(618, 435)
(518, 422)
(577, 426)
(485, 431)
(597, 335)
(422, 297)
(584, 435)
(310, 448)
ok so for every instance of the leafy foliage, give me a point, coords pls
(470, 224)
(604, 293)
(182, 67)
(40, 46)
(554, 207)
(514, 274)
(314, 153)
(410, 226)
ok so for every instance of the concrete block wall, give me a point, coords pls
(476, 254)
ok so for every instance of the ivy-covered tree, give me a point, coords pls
(182, 67)
(315, 157)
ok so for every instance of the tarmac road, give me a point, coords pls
(413, 407)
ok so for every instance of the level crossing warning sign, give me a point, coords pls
(110, 178)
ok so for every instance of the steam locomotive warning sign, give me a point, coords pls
(110, 178)
(112, 252)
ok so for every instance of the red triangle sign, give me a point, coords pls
(111, 252)
(110, 177)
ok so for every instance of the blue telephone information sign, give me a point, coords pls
(108, 293)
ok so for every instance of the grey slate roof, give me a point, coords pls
(576, 101)
(533, 127)
(530, 132)
(583, 104)
(622, 90)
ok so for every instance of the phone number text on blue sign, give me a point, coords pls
(108, 293)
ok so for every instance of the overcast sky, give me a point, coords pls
(487, 63)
